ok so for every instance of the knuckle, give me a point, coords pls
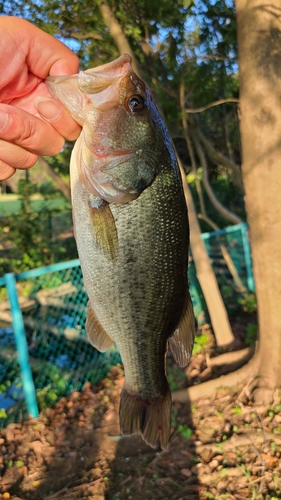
(57, 146)
(27, 132)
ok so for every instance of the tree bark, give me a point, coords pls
(60, 184)
(259, 40)
(206, 276)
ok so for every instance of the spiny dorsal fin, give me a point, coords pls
(181, 342)
(96, 334)
(104, 228)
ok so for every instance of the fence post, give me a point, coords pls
(22, 349)
(248, 260)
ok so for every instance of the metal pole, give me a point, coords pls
(248, 260)
(22, 348)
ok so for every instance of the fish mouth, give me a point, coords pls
(94, 87)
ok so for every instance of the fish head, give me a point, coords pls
(123, 134)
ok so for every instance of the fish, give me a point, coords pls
(132, 233)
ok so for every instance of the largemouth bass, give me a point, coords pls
(132, 233)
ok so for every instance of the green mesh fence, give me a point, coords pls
(53, 305)
(229, 252)
(11, 391)
(44, 351)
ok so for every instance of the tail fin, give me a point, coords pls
(151, 419)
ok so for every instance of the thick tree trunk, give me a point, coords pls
(206, 276)
(259, 41)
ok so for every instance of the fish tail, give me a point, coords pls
(150, 418)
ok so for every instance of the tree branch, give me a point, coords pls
(227, 214)
(219, 158)
(211, 105)
(205, 273)
(60, 184)
(117, 34)
(85, 36)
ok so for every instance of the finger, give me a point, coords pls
(5, 171)
(15, 156)
(54, 112)
(44, 54)
(29, 132)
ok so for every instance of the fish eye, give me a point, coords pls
(135, 103)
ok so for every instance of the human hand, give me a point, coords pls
(32, 122)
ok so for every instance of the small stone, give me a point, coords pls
(186, 472)
(221, 485)
(248, 418)
(213, 464)
(206, 454)
(10, 435)
(194, 373)
(2, 441)
(234, 471)
(196, 468)
(36, 446)
(227, 427)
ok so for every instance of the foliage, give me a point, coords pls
(27, 236)
(200, 341)
(251, 334)
(185, 431)
(249, 303)
(175, 43)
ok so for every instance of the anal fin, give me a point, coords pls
(95, 332)
(181, 342)
(104, 228)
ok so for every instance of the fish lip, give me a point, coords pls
(112, 154)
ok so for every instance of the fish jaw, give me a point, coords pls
(79, 92)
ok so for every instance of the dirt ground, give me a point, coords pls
(223, 447)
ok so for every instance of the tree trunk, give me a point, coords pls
(259, 38)
(60, 184)
(259, 41)
(206, 276)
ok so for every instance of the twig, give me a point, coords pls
(211, 105)
(238, 440)
(63, 490)
(262, 467)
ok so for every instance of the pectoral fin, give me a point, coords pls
(104, 228)
(181, 342)
(96, 334)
